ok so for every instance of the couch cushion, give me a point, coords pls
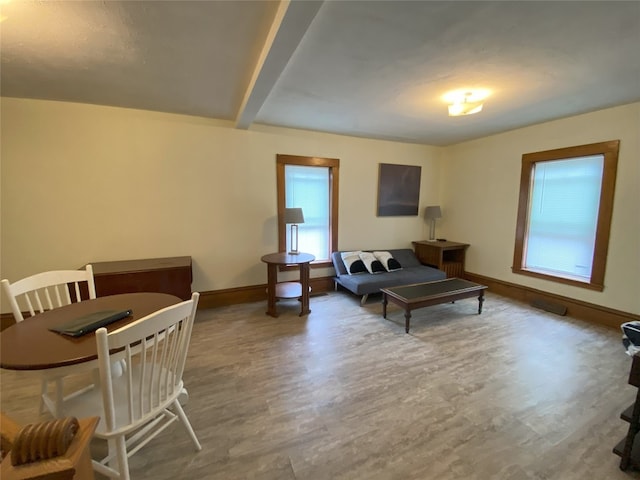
(406, 257)
(366, 284)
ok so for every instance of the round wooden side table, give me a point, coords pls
(287, 289)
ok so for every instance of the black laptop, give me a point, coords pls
(90, 322)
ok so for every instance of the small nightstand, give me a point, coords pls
(446, 256)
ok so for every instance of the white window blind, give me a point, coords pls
(563, 215)
(309, 188)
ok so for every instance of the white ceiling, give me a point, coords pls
(374, 69)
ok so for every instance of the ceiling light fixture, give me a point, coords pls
(465, 102)
(464, 106)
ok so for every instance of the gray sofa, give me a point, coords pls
(366, 283)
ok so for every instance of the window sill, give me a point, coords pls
(558, 279)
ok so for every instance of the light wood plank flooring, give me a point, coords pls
(512, 394)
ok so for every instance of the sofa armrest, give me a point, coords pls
(338, 264)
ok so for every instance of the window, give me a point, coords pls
(564, 214)
(310, 183)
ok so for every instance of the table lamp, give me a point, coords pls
(430, 214)
(293, 217)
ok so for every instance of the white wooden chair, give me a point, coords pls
(39, 293)
(139, 404)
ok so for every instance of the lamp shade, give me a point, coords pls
(293, 215)
(432, 212)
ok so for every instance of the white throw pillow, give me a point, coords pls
(387, 261)
(372, 264)
(353, 263)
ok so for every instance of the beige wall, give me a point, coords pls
(84, 183)
(480, 186)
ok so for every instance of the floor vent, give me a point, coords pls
(549, 306)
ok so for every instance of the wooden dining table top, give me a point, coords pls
(30, 345)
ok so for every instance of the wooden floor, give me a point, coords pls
(512, 394)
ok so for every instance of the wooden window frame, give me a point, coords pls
(609, 150)
(334, 176)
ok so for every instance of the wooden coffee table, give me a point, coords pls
(419, 295)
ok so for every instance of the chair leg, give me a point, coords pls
(119, 461)
(55, 405)
(44, 391)
(59, 405)
(52, 405)
(187, 424)
(183, 398)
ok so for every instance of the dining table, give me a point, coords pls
(30, 345)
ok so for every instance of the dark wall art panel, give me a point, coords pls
(398, 190)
